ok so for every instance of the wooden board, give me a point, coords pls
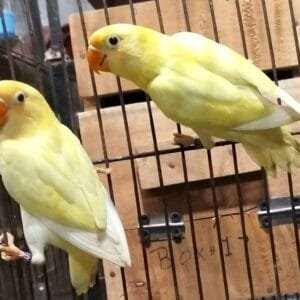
(161, 281)
(201, 22)
(141, 139)
(150, 198)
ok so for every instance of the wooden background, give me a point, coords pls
(199, 190)
(19, 281)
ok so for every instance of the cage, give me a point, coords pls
(201, 224)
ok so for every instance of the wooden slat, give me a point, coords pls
(200, 20)
(208, 256)
(142, 142)
(150, 197)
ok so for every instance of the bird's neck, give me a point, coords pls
(26, 126)
(144, 63)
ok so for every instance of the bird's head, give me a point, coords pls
(20, 102)
(126, 50)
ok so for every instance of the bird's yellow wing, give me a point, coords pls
(227, 63)
(51, 176)
(199, 98)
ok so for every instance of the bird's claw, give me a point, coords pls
(184, 140)
(105, 171)
(9, 251)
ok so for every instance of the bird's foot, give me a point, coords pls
(105, 171)
(9, 251)
(185, 140)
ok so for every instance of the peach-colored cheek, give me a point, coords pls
(3, 112)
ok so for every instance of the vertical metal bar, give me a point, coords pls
(132, 11)
(242, 217)
(36, 36)
(160, 176)
(271, 50)
(240, 196)
(135, 184)
(273, 251)
(107, 19)
(186, 15)
(99, 117)
(243, 36)
(161, 184)
(145, 258)
(212, 179)
(98, 103)
(159, 16)
(62, 88)
(54, 24)
(13, 208)
(294, 27)
(290, 179)
(35, 29)
(186, 188)
(217, 220)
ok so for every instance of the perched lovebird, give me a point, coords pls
(46, 170)
(205, 86)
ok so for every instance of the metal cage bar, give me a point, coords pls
(290, 179)
(131, 157)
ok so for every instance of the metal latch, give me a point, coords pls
(280, 211)
(155, 228)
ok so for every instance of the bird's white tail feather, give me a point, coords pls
(111, 244)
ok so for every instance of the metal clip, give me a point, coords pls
(155, 228)
(280, 211)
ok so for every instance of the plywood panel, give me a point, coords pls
(200, 193)
(162, 286)
(200, 21)
(142, 142)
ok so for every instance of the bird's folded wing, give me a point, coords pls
(57, 181)
(281, 115)
(224, 61)
(110, 244)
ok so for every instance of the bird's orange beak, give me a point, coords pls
(3, 112)
(97, 60)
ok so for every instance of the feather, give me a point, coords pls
(281, 115)
(110, 244)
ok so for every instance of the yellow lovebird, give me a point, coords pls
(205, 86)
(46, 170)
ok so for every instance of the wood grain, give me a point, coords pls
(150, 197)
(201, 22)
(175, 194)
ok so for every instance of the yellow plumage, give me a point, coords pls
(46, 170)
(205, 86)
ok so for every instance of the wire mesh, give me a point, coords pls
(14, 272)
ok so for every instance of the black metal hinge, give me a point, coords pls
(156, 229)
(281, 211)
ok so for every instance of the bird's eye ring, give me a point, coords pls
(19, 97)
(112, 41)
